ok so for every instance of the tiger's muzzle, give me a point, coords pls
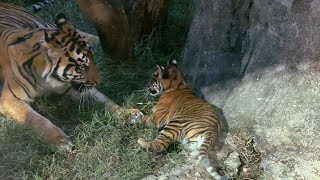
(155, 89)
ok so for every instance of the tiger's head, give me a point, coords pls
(166, 78)
(74, 56)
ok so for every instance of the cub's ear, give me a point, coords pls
(164, 72)
(173, 62)
(161, 68)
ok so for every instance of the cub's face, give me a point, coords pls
(155, 87)
(166, 78)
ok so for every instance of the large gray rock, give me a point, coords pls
(259, 62)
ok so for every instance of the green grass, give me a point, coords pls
(105, 148)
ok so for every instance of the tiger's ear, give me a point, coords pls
(60, 20)
(63, 23)
(173, 62)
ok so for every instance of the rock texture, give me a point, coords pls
(258, 60)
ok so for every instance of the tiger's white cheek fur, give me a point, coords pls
(53, 82)
(193, 144)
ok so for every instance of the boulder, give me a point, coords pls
(259, 62)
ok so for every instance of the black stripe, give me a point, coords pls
(198, 133)
(66, 69)
(51, 63)
(50, 37)
(22, 39)
(14, 20)
(24, 88)
(79, 50)
(69, 41)
(63, 39)
(13, 92)
(35, 47)
(54, 73)
(166, 138)
(72, 47)
(27, 73)
(169, 129)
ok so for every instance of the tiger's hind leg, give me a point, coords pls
(164, 139)
(20, 111)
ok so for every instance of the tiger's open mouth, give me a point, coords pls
(153, 91)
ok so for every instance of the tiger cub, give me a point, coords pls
(180, 116)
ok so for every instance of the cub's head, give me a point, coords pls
(166, 78)
(74, 56)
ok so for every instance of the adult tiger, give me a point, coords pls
(42, 60)
(180, 116)
(15, 16)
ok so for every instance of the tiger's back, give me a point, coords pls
(182, 117)
(15, 16)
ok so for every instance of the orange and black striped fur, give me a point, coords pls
(46, 60)
(180, 116)
(15, 16)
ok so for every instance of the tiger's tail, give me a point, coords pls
(204, 160)
(40, 5)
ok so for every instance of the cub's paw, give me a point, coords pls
(131, 116)
(143, 143)
(135, 116)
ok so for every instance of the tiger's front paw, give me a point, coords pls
(56, 137)
(65, 146)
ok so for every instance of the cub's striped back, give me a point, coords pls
(181, 117)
